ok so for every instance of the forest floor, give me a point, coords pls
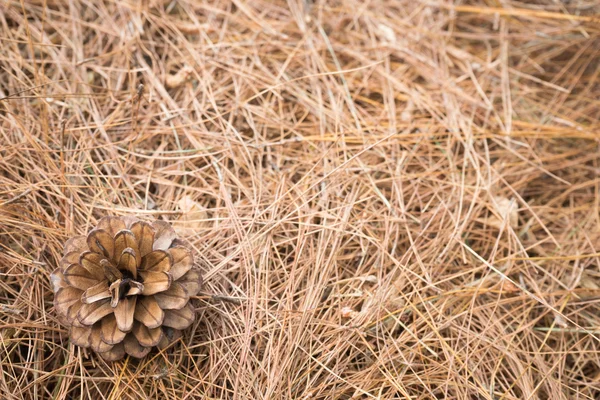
(387, 199)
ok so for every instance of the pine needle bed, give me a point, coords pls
(386, 199)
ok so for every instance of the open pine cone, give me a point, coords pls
(125, 287)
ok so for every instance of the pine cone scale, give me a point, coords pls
(155, 282)
(97, 292)
(175, 298)
(144, 234)
(96, 342)
(182, 261)
(99, 241)
(149, 313)
(147, 337)
(79, 277)
(89, 314)
(134, 348)
(81, 336)
(110, 332)
(114, 354)
(124, 313)
(157, 260)
(76, 245)
(179, 319)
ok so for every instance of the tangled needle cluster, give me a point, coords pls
(125, 287)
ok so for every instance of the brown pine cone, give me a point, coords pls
(125, 287)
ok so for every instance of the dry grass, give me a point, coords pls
(389, 199)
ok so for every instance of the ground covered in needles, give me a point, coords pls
(386, 199)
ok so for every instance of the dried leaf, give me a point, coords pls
(348, 312)
(588, 282)
(507, 210)
(179, 78)
(193, 218)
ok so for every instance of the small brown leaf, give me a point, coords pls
(588, 282)
(179, 78)
(193, 217)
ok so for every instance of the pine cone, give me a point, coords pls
(125, 287)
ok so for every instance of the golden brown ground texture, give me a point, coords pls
(388, 199)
